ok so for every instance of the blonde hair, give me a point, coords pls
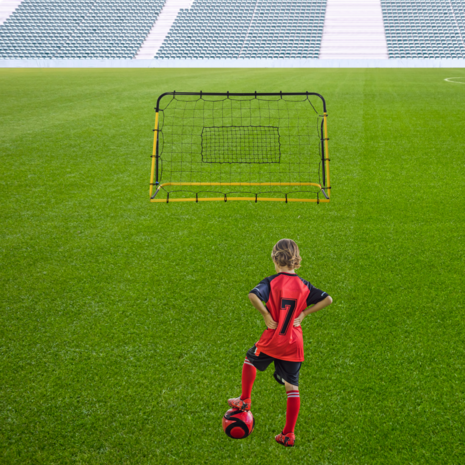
(286, 254)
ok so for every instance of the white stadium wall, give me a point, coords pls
(242, 63)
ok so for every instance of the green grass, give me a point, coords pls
(124, 324)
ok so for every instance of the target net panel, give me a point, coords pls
(229, 146)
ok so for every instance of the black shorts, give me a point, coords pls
(283, 369)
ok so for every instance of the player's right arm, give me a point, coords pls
(318, 306)
(316, 300)
(258, 304)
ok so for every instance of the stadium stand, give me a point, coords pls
(160, 29)
(353, 29)
(459, 11)
(285, 30)
(246, 29)
(424, 29)
(234, 29)
(77, 28)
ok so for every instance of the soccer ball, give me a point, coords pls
(238, 424)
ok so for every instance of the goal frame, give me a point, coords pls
(325, 187)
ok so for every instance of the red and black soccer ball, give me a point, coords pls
(238, 424)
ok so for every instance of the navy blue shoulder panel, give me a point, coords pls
(316, 295)
(263, 288)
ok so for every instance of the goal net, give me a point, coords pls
(231, 146)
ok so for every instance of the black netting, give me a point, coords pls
(240, 144)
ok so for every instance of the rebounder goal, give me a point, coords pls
(240, 146)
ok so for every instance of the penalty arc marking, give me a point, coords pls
(455, 82)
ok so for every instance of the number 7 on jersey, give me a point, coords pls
(287, 305)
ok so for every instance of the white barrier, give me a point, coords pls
(237, 63)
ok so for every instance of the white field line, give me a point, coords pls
(455, 82)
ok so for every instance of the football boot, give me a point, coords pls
(240, 404)
(287, 440)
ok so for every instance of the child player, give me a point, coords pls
(289, 299)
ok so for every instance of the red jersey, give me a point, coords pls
(286, 296)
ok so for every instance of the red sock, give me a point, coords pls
(293, 406)
(248, 378)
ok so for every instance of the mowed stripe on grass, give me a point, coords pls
(124, 324)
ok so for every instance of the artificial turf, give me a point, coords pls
(124, 324)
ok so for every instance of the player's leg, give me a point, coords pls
(288, 374)
(293, 407)
(252, 362)
(248, 377)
